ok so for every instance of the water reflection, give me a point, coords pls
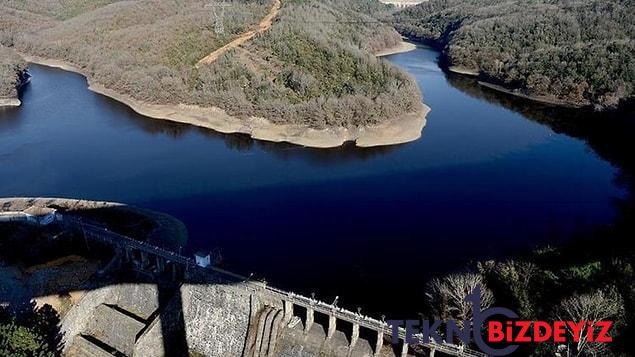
(8, 119)
(243, 142)
(609, 134)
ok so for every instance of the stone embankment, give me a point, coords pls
(213, 320)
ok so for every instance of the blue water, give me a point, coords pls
(369, 225)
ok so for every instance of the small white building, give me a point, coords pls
(203, 259)
(401, 4)
(39, 217)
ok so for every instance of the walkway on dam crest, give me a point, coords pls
(162, 259)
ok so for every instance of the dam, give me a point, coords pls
(402, 3)
(147, 300)
(263, 320)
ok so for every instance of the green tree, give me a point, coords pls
(18, 341)
(26, 330)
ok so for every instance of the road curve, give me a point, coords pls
(263, 26)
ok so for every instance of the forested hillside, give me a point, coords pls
(10, 65)
(313, 66)
(581, 52)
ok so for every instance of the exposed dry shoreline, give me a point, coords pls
(403, 129)
(535, 98)
(463, 70)
(10, 102)
(540, 99)
(403, 47)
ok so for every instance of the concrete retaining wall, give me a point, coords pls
(79, 317)
(217, 318)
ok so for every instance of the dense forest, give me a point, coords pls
(578, 52)
(10, 66)
(313, 67)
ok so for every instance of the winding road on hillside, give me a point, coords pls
(263, 26)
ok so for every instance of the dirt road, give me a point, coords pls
(263, 26)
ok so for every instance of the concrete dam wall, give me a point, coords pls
(216, 320)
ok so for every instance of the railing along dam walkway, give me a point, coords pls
(162, 260)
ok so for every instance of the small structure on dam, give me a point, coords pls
(147, 300)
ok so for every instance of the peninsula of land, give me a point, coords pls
(403, 129)
(268, 75)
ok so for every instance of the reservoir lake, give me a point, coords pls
(489, 177)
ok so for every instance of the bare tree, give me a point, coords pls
(514, 279)
(447, 296)
(596, 306)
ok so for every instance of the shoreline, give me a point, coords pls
(473, 73)
(403, 129)
(539, 99)
(403, 47)
(10, 102)
(463, 71)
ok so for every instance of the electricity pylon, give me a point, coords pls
(218, 12)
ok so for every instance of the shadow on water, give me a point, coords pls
(609, 134)
(8, 118)
(110, 323)
(251, 213)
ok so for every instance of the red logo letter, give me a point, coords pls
(559, 332)
(538, 337)
(522, 334)
(495, 331)
(603, 335)
(576, 329)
